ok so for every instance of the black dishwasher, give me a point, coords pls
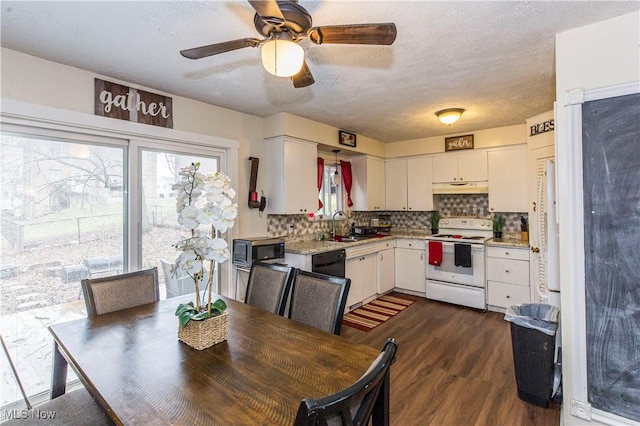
(329, 263)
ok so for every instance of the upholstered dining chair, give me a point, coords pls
(73, 408)
(319, 300)
(116, 292)
(268, 286)
(359, 402)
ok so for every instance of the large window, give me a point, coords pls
(72, 207)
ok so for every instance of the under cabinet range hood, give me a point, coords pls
(481, 187)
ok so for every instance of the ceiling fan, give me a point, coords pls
(284, 23)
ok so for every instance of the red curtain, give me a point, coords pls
(320, 174)
(347, 179)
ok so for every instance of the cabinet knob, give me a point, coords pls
(506, 270)
(535, 249)
(508, 297)
(506, 253)
(454, 179)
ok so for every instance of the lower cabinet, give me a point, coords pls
(362, 272)
(507, 277)
(386, 271)
(411, 265)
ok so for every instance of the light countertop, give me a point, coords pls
(316, 246)
(508, 242)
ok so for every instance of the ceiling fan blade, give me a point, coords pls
(268, 10)
(380, 34)
(214, 49)
(303, 78)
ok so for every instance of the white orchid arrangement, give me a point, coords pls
(203, 201)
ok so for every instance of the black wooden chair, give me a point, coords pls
(268, 286)
(117, 292)
(367, 398)
(319, 300)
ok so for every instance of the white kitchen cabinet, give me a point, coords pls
(291, 165)
(460, 167)
(396, 184)
(419, 184)
(362, 272)
(507, 277)
(368, 189)
(411, 265)
(508, 180)
(408, 183)
(386, 270)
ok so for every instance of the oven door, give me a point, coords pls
(448, 272)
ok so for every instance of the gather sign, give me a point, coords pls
(127, 103)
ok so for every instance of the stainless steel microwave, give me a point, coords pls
(246, 250)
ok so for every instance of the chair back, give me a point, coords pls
(178, 283)
(319, 300)
(268, 286)
(110, 294)
(357, 403)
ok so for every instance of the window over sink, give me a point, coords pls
(332, 192)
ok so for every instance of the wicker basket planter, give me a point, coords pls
(204, 334)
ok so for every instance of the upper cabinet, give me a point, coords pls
(368, 191)
(409, 184)
(508, 180)
(460, 167)
(292, 167)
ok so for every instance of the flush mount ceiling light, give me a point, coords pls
(281, 56)
(449, 116)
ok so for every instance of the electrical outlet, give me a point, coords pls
(290, 228)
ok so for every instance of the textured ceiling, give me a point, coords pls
(494, 59)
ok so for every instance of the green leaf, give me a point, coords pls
(185, 307)
(219, 305)
(200, 316)
(184, 318)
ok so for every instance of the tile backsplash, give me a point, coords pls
(300, 228)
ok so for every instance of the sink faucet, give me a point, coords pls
(333, 222)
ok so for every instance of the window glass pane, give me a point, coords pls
(331, 193)
(160, 228)
(63, 216)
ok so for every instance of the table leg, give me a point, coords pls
(58, 374)
(380, 415)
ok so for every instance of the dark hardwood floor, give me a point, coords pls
(454, 367)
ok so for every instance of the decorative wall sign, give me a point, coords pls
(456, 143)
(545, 126)
(346, 138)
(126, 103)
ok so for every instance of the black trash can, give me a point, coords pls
(533, 338)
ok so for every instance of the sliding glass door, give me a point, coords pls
(73, 207)
(63, 213)
(159, 228)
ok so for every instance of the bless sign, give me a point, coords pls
(545, 126)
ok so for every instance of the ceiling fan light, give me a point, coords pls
(282, 58)
(449, 116)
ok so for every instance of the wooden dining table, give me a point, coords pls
(134, 366)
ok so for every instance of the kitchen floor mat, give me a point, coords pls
(374, 313)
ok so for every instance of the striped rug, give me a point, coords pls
(376, 312)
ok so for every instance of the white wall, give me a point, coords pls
(499, 136)
(599, 55)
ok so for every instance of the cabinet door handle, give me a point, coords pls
(535, 249)
(381, 256)
(421, 256)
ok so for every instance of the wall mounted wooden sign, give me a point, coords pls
(126, 103)
(545, 126)
(456, 143)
